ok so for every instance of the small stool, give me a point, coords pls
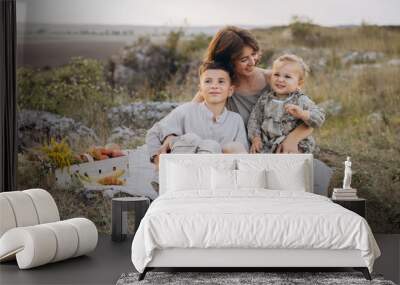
(120, 208)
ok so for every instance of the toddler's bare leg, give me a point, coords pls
(233, 147)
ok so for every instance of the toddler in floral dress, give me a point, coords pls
(280, 111)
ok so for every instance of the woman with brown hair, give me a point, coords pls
(238, 48)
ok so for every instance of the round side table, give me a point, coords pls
(120, 208)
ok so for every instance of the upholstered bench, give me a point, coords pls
(31, 230)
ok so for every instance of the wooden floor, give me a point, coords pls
(111, 259)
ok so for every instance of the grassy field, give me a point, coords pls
(366, 127)
(361, 38)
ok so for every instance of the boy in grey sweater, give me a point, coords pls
(206, 127)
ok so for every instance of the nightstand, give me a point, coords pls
(357, 205)
(120, 209)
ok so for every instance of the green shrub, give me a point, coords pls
(77, 90)
(266, 58)
(196, 44)
(306, 33)
(369, 30)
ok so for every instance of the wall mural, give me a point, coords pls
(87, 94)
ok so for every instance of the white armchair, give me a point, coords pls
(31, 230)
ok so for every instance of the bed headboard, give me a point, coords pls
(282, 163)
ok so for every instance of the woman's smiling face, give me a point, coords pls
(246, 62)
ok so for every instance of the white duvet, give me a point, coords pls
(253, 218)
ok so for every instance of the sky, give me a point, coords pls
(208, 12)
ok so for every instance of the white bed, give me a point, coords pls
(247, 211)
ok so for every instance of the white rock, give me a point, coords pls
(375, 117)
(394, 61)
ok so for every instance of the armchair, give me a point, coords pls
(31, 231)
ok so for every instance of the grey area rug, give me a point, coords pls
(243, 278)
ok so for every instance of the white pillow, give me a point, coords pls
(251, 178)
(223, 179)
(283, 173)
(187, 177)
(293, 180)
(227, 179)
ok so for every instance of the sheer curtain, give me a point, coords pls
(8, 137)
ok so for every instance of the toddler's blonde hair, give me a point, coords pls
(294, 59)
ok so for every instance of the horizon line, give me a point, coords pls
(197, 26)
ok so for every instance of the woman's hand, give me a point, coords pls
(256, 145)
(198, 97)
(288, 146)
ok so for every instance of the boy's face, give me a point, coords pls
(286, 77)
(215, 86)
